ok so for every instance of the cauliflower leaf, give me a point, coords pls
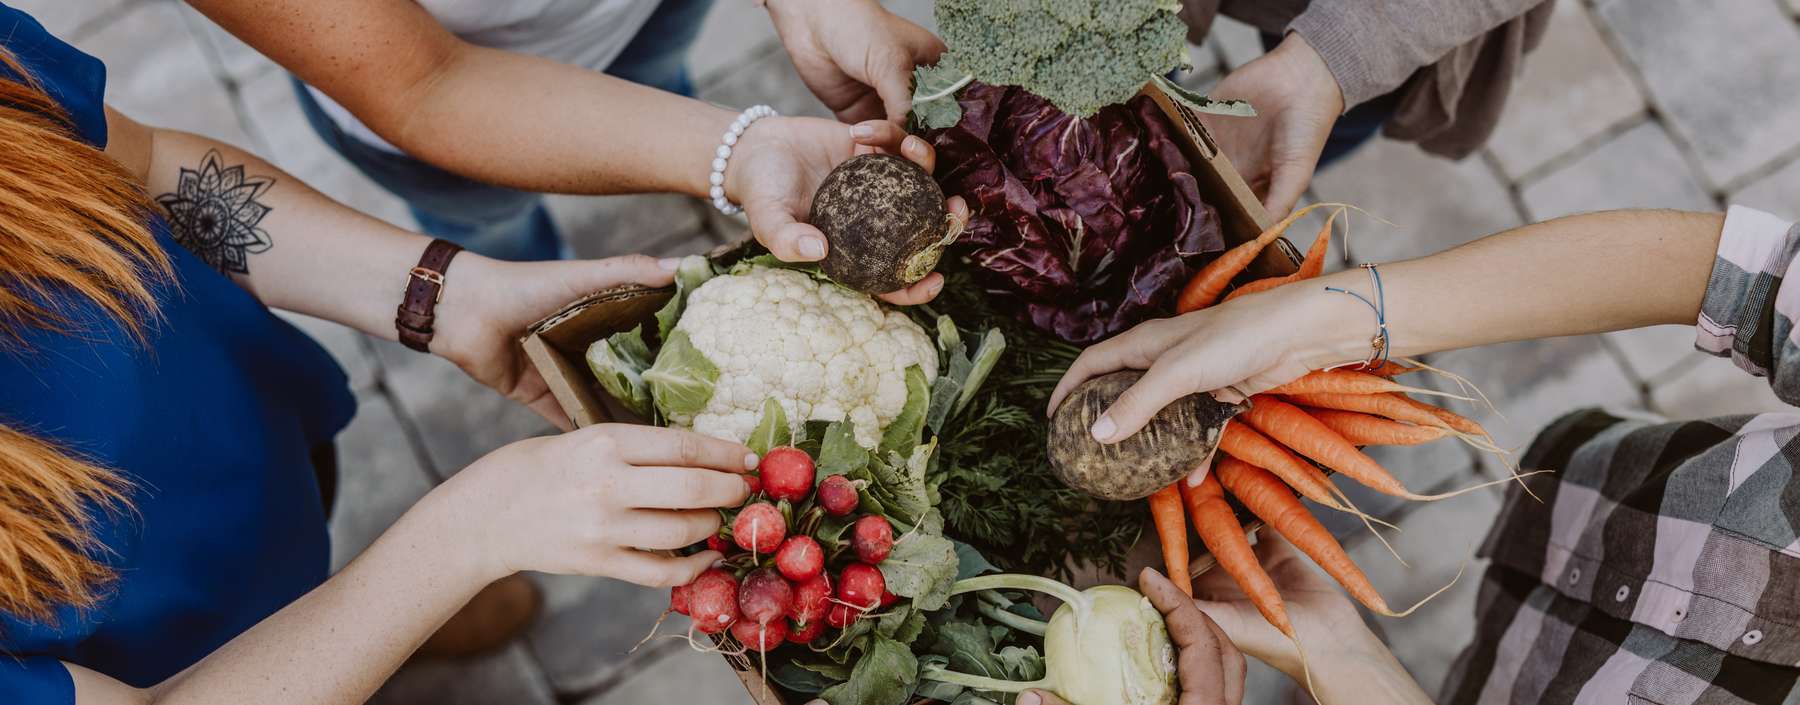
(773, 431)
(682, 379)
(619, 362)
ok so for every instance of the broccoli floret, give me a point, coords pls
(1081, 55)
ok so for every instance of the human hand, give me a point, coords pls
(593, 502)
(855, 55)
(779, 164)
(1210, 668)
(1297, 101)
(488, 304)
(1320, 613)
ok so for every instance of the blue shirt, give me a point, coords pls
(212, 421)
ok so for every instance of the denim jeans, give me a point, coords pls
(492, 220)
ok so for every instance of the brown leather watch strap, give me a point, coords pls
(424, 289)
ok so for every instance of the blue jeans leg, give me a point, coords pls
(657, 55)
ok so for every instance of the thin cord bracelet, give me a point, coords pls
(722, 156)
(1380, 345)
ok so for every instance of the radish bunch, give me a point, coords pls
(790, 573)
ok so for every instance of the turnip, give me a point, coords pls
(1106, 645)
(812, 599)
(837, 494)
(787, 473)
(759, 528)
(872, 537)
(861, 586)
(764, 597)
(1176, 440)
(760, 637)
(885, 220)
(800, 559)
(713, 601)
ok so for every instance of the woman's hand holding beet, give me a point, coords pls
(593, 502)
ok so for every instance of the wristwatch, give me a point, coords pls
(424, 289)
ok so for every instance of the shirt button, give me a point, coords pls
(1679, 613)
(1752, 637)
(1623, 593)
(1574, 575)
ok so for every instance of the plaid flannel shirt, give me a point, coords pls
(1663, 564)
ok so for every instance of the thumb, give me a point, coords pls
(1038, 697)
(1287, 183)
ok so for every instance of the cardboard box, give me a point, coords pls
(557, 345)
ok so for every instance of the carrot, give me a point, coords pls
(1204, 288)
(1389, 368)
(1370, 430)
(1271, 501)
(1294, 428)
(1351, 382)
(1312, 266)
(1245, 444)
(1171, 530)
(1390, 406)
(1224, 537)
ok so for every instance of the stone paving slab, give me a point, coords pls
(1434, 204)
(1719, 77)
(1571, 90)
(506, 677)
(288, 142)
(589, 627)
(604, 226)
(157, 73)
(1777, 193)
(1641, 168)
(460, 419)
(379, 478)
(1715, 387)
(1651, 352)
(678, 675)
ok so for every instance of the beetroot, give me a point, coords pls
(805, 633)
(764, 597)
(787, 473)
(842, 615)
(837, 495)
(800, 559)
(760, 637)
(811, 600)
(759, 528)
(679, 599)
(712, 601)
(873, 538)
(861, 585)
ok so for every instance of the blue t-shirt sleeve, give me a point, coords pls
(76, 80)
(35, 680)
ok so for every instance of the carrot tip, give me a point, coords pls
(1472, 488)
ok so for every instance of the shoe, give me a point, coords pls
(495, 616)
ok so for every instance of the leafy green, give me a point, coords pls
(899, 485)
(772, 431)
(1198, 101)
(885, 675)
(839, 453)
(682, 379)
(986, 356)
(903, 432)
(970, 562)
(934, 103)
(693, 271)
(922, 566)
(807, 677)
(619, 362)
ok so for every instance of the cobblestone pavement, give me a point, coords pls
(1677, 103)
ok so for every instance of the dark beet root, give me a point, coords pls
(885, 220)
(1171, 445)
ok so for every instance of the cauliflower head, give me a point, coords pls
(824, 352)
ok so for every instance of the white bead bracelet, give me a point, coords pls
(723, 156)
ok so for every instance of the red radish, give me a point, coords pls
(800, 559)
(842, 615)
(765, 597)
(718, 543)
(888, 598)
(802, 634)
(679, 599)
(837, 495)
(712, 601)
(861, 585)
(787, 473)
(759, 528)
(811, 600)
(873, 538)
(755, 482)
(760, 637)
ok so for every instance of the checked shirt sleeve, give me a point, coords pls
(1747, 314)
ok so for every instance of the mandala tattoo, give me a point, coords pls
(214, 213)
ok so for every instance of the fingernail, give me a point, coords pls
(1028, 698)
(937, 286)
(812, 248)
(862, 132)
(1104, 429)
(750, 461)
(912, 142)
(669, 264)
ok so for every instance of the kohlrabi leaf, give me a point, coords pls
(903, 433)
(1198, 102)
(772, 431)
(922, 566)
(693, 271)
(934, 105)
(682, 379)
(970, 562)
(839, 454)
(936, 690)
(1020, 663)
(885, 675)
(986, 355)
(619, 362)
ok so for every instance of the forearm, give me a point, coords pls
(1372, 47)
(336, 644)
(1365, 677)
(1582, 274)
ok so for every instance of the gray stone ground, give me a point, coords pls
(1677, 103)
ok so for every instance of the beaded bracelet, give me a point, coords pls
(723, 156)
(1380, 344)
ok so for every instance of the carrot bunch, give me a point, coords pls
(1324, 417)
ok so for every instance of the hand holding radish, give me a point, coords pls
(594, 502)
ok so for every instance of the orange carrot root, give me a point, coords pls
(1224, 538)
(1282, 512)
(1171, 531)
(1371, 430)
(1204, 288)
(1343, 381)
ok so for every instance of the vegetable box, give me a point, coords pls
(557, 344)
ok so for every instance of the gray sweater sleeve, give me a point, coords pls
(1372, 46)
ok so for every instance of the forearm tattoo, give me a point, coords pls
(214, 213)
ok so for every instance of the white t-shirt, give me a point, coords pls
(585, 33)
